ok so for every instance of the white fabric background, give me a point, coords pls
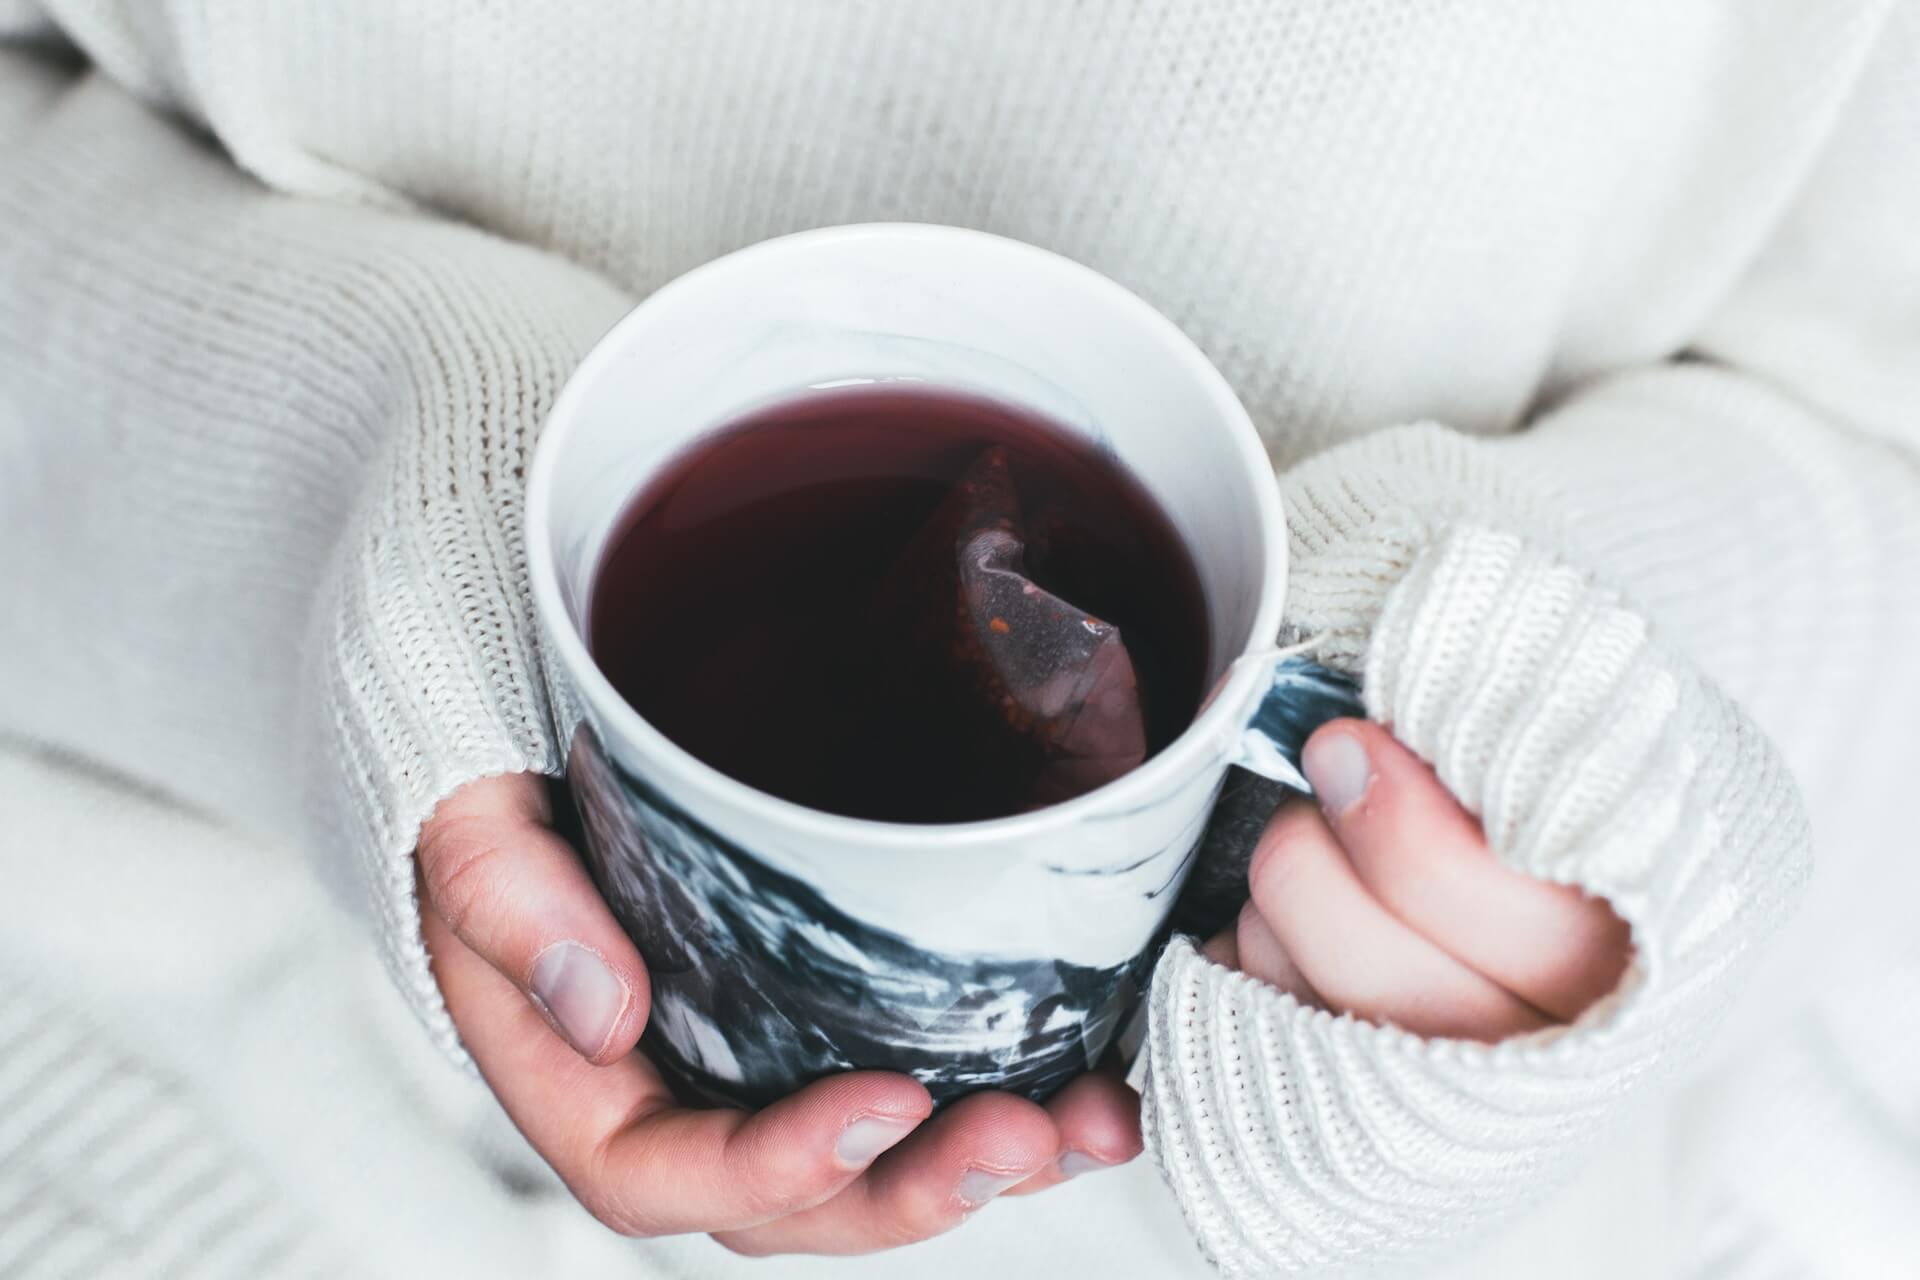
(262, 397)
(363, 1152)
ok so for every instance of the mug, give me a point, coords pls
(783, 943)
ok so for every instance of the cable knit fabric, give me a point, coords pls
(165, 1194)
(351, 534)
(1298, 1140)
(285, 293)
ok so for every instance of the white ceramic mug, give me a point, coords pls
(784, 943)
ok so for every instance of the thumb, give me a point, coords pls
(1424, 857)
(516, 894)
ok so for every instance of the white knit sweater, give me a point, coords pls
(266, 397)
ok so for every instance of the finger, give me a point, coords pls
(1223, 948)
(642, 1165)
(1098, 1117)
(515, 893)
(1262, 957)
(1356, 954)
(970, 1153)
(1425, 859)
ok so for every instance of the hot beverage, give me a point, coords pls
(903, 603)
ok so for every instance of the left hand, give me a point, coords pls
(1382, 900)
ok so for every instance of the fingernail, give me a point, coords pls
(579, 995)
(1075, 1163)
(1336, 764)
(862, 1141)
(982, 1185)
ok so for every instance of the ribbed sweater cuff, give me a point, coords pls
(427, 662)
(1296, 1140)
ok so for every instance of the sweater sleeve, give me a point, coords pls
(260, 485)
(1622, 636)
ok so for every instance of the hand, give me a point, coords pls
(550, 998)
(1384, 901)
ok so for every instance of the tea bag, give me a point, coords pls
(1053, 699)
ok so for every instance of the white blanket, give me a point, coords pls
(196, 992)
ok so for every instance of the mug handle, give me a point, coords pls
(1301, 695)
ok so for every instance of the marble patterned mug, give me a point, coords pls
(783, 943)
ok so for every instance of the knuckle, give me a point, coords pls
(1294, 833)
(920, 1218)
(745, 1245)
(776, 1179)
(618, 1212)
(459, 862)
(612, 1213)
(606, 1188)
(909, 1214)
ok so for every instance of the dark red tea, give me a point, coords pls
(760, 602)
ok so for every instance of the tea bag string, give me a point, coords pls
(1298, 649)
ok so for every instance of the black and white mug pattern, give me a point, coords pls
(761, 985)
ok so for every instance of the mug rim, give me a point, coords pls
(1208, 740)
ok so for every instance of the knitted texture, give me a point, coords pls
(263, 436)
(432, 576)
(111, 1170)
(344, 545)
(1469, 583)
(1298, 1140)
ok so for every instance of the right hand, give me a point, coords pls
(550, 998)
(1383, 901)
